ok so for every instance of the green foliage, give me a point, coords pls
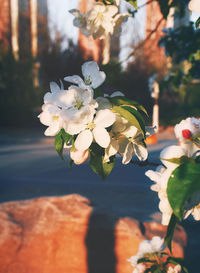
(18, 96)
(128, 114)
(182, 184)
(59, 143)
(134, 3)
(182, 43)
(96, 161)
(61, 138)
(170, 231)
(176, 261)
(119, 101)
(180, 160)
(197, 23)
(138, 116)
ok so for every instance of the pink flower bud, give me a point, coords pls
(186, 134)
(79, 157)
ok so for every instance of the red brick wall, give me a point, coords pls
(153, 52)
(4, 23)
(89, 46)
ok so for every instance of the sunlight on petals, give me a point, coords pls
(83, 140)
(101, 136)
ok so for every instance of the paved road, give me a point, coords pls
(30, 167)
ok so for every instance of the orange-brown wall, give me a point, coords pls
(153, 52)
(88, 46)
(4, 23)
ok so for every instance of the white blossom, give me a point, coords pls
(176, 269)
(76, 102)
(194, 5)
(135, 145)
(93, 78)
(80, 21)
(51, 117)
(140, 268)
(100, 20)
(96, 130)
(146, 247)
(188, 133)
(79, 157)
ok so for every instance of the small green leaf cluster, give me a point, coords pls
(183, 183)
(159, 262)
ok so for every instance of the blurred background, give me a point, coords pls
(39, 44)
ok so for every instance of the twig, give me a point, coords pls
(144, 163)
(144, 41)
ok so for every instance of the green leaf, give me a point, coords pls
(183, 183)
(179, 160)
(133, 3)
(175, 261)
(129, 116)
(138, 116)
(197, 23)
(145, 260)
(66, 137)
(98, 93)
(120, 100)
(59, 143)
(96, 161)
(170, 231)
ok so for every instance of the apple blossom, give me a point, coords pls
(80, 21)
(96, 130)
(188, 133)
(176, 269)
(55, 91)
(146, 247)
(194, 5)
(100, 20)
(75, 102)
(135, 145)
(93, 78)
(79, 157)
(51, 116)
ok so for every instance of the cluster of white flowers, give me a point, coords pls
(188, 133)
(90, 120)
(101, 21)
(146, 247)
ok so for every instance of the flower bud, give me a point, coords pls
(79, 157)
(186, 134)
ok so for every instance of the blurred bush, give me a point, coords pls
(17, 92)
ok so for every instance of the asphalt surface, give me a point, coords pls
(30, 167)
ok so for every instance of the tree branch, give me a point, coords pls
(145, 40)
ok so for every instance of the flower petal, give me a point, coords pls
(73, 128)
(75, 79)
(117, 94)
(83, 140)
(111, 150)
(104, 118)
(128, 153)
(101, 136)
(92, 75)
(103, 103)
(53, 129)
(54, 87)
(141, 152)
